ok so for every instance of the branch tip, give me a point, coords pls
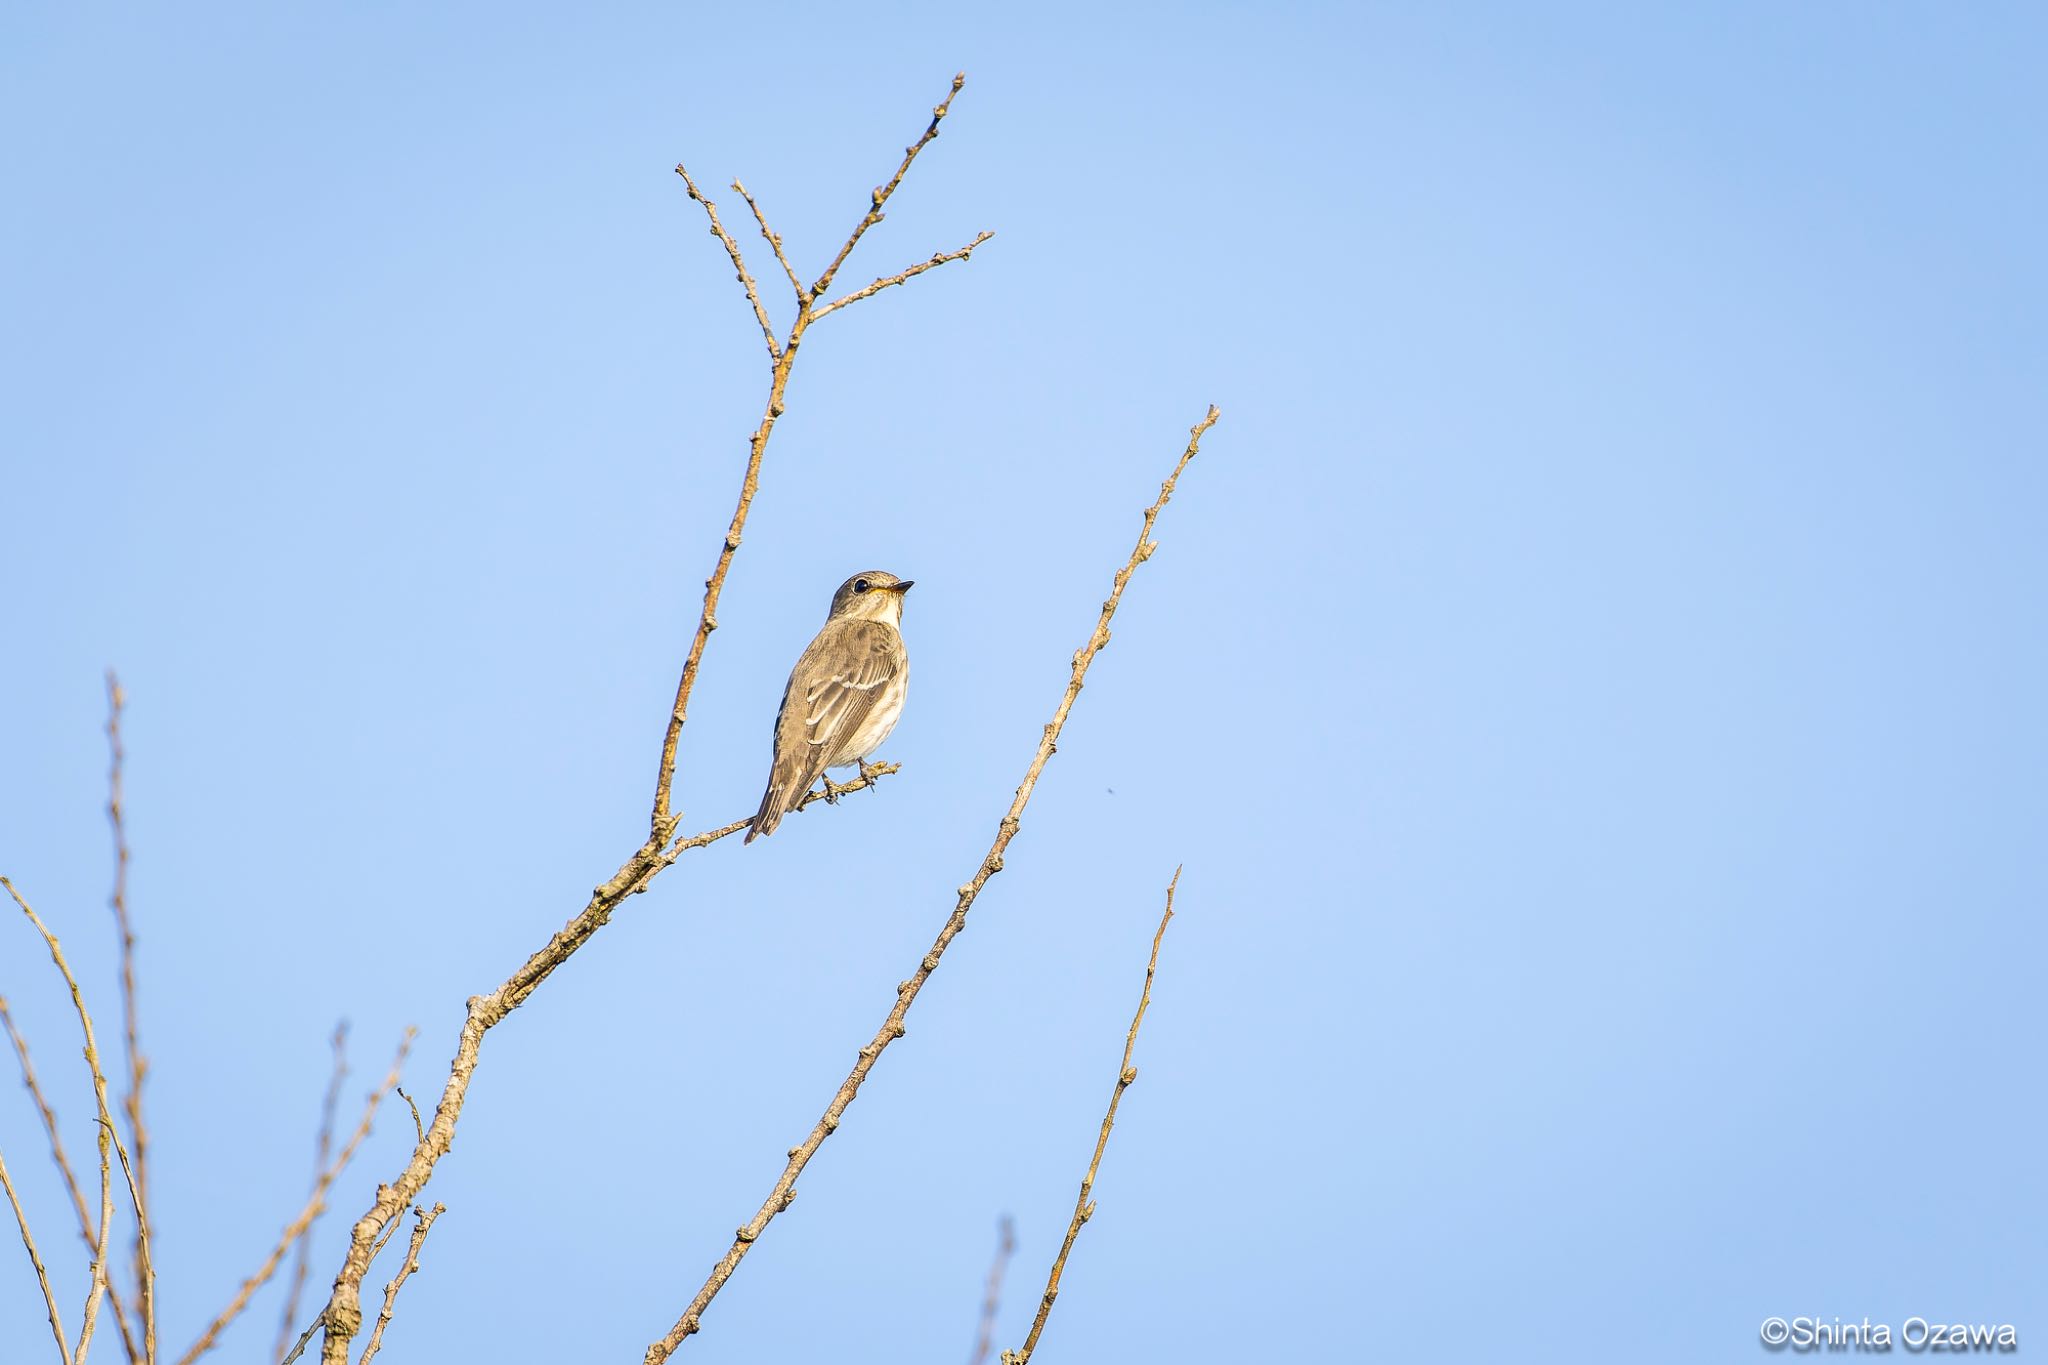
(1084, 1207)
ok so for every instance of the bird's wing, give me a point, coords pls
(831, 690)
(849, 666)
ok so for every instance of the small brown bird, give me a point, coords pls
(843, 697)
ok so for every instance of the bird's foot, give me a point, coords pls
(871, 773)
(832, 789)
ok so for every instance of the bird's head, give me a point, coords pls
(871, 596)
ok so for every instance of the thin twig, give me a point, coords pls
(138, 1065)
(35, 1090)
(423, 1221)
(385, 1240)
(343, 1317)
(316, 1204)
(33, 1084)
(739, 264)
(35, 1259)
(992, 1297)
(145, 1267)
(939, 258)
(774, 240)
(299, 1347)
(879, 198)
(108, 1133)
(1084, 1208)
(868, 778)
(323, 1146)
(419, 1130)
(784, 1190)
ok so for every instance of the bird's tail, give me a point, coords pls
(773, 804)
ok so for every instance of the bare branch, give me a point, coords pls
(784, 1190)
(107, 1130)
(424, 1221)
(138, 1065)
(879, 198)
(1084, 1208)
(145, 1266)
(774, 239)
(35, 1089)
(343, 1317)
(739, 263)
(316, 1204)
(663, 822)
(992, 1297)
(62, 1159)
(938, 259)
(35, 1259)
(323, 1146)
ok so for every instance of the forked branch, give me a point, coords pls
(782, 355)
(879, 199)
(784, 1190)
(62, 1160)
(423, 1223)
(323, 1147)
(316, 1204)
(109, 1138)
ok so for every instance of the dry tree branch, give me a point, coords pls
(423, 1222)
(35, 1090)
(739, 265)
(1084, 1208)
(343, 1317)
(663, 823)
(62, 1159)
(323, 1146)
(774, 240)
(782, 358)
(108, 1133)
(992, 1297)
(784, 1190)
(869, 291)
(879, 198)
(869, 778)
(138, 1065)
(299, 1347)
(145, 1267)
(485, 1012)
(36, 1259)
(316, 1204)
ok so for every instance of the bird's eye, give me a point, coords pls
(861, 585)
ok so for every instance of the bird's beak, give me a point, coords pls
(902, 587)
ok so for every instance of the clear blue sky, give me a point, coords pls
(1594, 675)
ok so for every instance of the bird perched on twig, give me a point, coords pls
(843, 697)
